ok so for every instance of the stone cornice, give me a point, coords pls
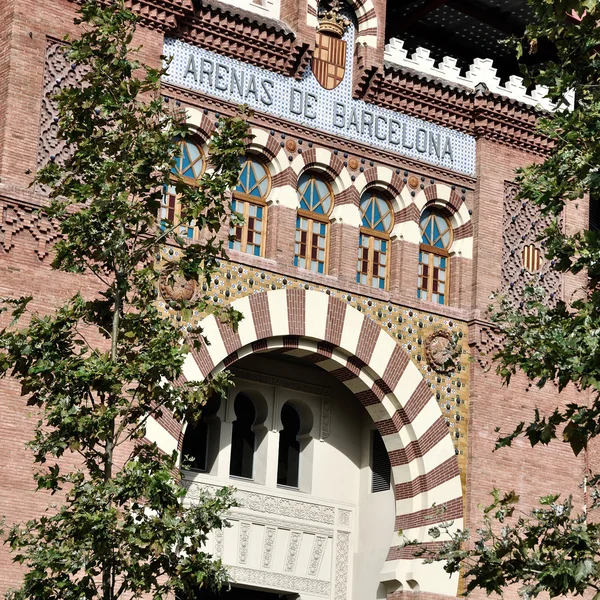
(273, 46)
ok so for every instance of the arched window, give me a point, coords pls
(374, 240)
(312, 222)
(436, 238)
(189, 164)
(288, 465)
(200, 438)
(243, 438)
(249, 202)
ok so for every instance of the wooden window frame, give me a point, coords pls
(384, 237)
(313, 217)
(260, 201)
(177, 221)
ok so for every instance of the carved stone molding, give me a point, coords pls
(342, 552)
(280, 581)
(268, 545)
(244, 539)
(316, 555)
(274, 505)
(291, 555)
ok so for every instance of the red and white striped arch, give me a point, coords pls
(352, 348)
(365, 16)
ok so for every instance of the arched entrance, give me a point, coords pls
(352, 349)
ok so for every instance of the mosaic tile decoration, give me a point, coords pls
(316, 107)
(408, 326)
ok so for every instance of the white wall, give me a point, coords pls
(266, 8)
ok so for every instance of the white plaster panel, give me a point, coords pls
(286, 195)
(311, 20)
(360, 183)
(440, 453)
(193, 116)
(329, 364)
(345, 180)
(246, 329)
(445, 492)
(463, 248)
(298, 164)
(463, 214)
(408, 231)
(260, 139)
(408, 383)
(322, 156)
(378, 412)
(277, 300)
(353, 321)
(429, 414)
(356, 385)
(315, 321)
(384, 174)
(369, 40)
(420, 200)
(443, 192)
(210, 330)
(160, 436)
(382, 352)
(348, 214)
(191, 371)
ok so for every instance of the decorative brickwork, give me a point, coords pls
(409, 327)
(58, 73)
(523, 223)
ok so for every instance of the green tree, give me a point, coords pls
(551, 549)
(120, 528)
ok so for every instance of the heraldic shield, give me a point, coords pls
(329, 60)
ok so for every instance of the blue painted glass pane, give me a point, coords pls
(441, 299)
(443, 263)
(383, 246)
(256, 250)
(419, 293)
(296, 261)
(381, 284)
(320, 267)
(190, 233)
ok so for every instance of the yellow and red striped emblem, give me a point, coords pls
(531, 258)
(329, 61)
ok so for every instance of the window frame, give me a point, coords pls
(383, 236)
(432, 252)
(173, 178)
(258, 201)
(314, 217)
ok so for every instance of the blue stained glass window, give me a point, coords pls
(373, 252)
(188, 161)
(252, 188)
(254, 179)
(376, 212)
(436, 237)
(435, 230)
(314, 194)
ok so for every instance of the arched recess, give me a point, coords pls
(353, 349)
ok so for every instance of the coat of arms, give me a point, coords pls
(329, 59)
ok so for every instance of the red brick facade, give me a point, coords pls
(506, 139)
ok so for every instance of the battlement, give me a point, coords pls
(480, 71)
